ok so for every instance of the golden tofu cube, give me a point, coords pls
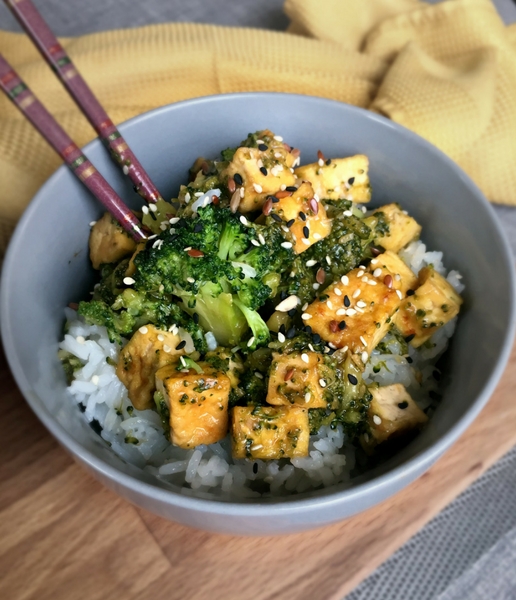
(392, 412)
(270, 432)
(355, 314)
(147, 351)
(263, 171)
(343, 178)
(294, 379)
(315, 222)
(433, 304)
(389, 263)
(109, 242)
(198, 404)
(402, 228)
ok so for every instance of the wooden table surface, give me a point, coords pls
(63, 536)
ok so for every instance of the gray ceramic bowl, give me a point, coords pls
(47, 266)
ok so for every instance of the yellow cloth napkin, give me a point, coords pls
(446, 71)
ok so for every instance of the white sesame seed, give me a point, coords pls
(404, 212)
(190, 280)
(143, 330)
(242, 192)
(361, 304)
(337, 292)
(317, 236)
(304, 358)
(80, 339)
(281, 337)
(340, 312)
(311, 263)
(350, 312)
(306, 316)
(328, 259)
(311, 348)
(371, 282)
(377, 272)
(286, 245)
(255, 243)
(399, 294)
(183, 361)
(365, 279)
(173, 220)
(320, 162)
(308, 396)
(305, 241)
(292, 274)
(250, 342)
(167, 348)
(322, 383)
(262, 239)
(157, 244)
(361, 267)
(377, 420)
(243, 220)
(374, 261)
(329, 304)
(152, 237)
(163, 225)
(397, 277)
(283, 187)
(359, 310)
(360, 273)
(198, 194)
(291, 170)
(357, 293)
(345, 349)
(288, 304)
(145, 210)
(92, 223)
(188, 248)
(362, 339)
(347, 213)
(277, 155)
(316, 286)
(304, 307)
(364, 356)
(256, 447)
(125, 170)
(128, 280)
(161, 338)
(364, 209)
(278, 138)
(344, 280)
(285, 228)
(257, 188)
(187, 197)
(153, 208)
(235, 349)
(258, 374)
(333, 346)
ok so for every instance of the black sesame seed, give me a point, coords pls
(153, 216)
(308, 329)
(352, 379)
(283, 295)
(316, 338)
(342, 325)
(291, 312)
(182, 344)
(410, 292)
(262, 147)
(82, 408)
(263, 171)
(290, 333)
(195, 318)
(306, 232)
(198, 227)
(96, 426)
(409, 360)
(282, 328)
(328, 162)
(351, 180)
(332, 351)
(437, 375)
(136, 188)
(255, 468)
(273, 199)
(290, 223)
(302, 216)
(410, 337)
(238, 179)
(347, 301)
(276, 217)
(291, 188)
(248, 249)
(403, 405)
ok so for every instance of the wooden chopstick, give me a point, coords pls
(40, 33)
(55, 135)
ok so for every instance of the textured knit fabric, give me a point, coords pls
(446, 71)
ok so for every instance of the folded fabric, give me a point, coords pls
(446, 71)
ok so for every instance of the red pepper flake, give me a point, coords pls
(267, 207)
(321, 156)
(289, 374)
(287, 147)
(334, 326)
(320, 276)
(314, 206)
(73, 305)
(388, 281)
(283, 194)
(296, 153)
(195, 253)
(231, 185)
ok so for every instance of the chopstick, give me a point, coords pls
(54, 134)
(40, 33)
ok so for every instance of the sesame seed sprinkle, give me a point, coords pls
(316, 286)
(167, 348)
(80, 339)
(304, 358)
(344, 280)
(183, 361)
(362, 339)
(250, 342)
(364, 357)
(399, 294)
(190, 280)
(397, 277)
(337, 292)
(281, 337)
(311, 263)
(93, 222)
(329, 304)
(243, 220)
(255, 243)
(377, 420)
(357, 293)
(322, 383)
(143, 330)
(361, 304)
(317, 236)
(328, 259)
(286, 245)
(351, 312)
(304, 307)
(161, 338)
(278, 138)
(306, 232)
(288, 304)
(311, 348)
(308, 396)
(305, 241)
(340, 312)
(129, 281)
(306, 316)
(257, 188)
(262, 239)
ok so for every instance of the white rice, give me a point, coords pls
(137, 437)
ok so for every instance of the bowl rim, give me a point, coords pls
(262, 507)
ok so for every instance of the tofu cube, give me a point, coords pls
(198, 404)
(147, 351)
(433, 304)
(263, 172)
(402, 228)
(109, 242)
(356, 314)
(343, 178)
(392, 412)
(389, 263)
(270, 432)
(315, 223)
(294, 379)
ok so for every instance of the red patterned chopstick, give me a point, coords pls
(54, 134)
(37, 29)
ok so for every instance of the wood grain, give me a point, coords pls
(66, 537)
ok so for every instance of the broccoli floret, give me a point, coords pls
(118, 324)
(258, 326)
